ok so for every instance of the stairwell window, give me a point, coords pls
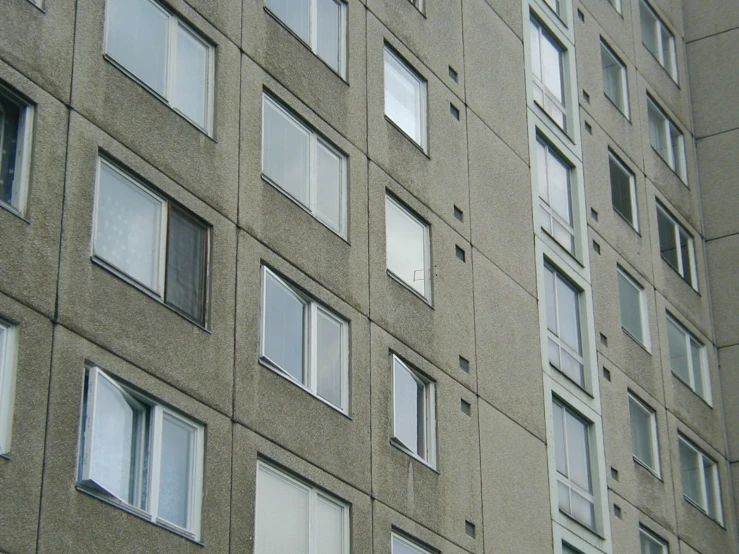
(555, 195)
(563, 323)
(547, 58)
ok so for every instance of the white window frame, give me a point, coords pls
(613, 158)
(311, 309)
(314, 493)
(429, 412)
(653, 539)
(544, 33)
(663, 35)
(552, 215)
(8, 370)
(675, 160)
(705, 481)
(395, 537)
(694, 373)
(644, 340)
(23, 150)
(151, 455)
(623, 78)
(174, 24)
(422, 114)
(681, 269)
(653, 434)
(313, 185)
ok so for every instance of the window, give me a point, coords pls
(157, 244)
(667, 140)
(651, 544)
(644, 443)
(305, 341)
(676, 246)
(16, 122)
(633, 302)
(623, 190)
(658, 39)
(304, 165)
(547, 58)
(7, 383)
(402, 545)
(555, 192)
(700, 479)
(563, 323)
(405, 97)
(408, 250)
(293, 516)
(164, 54)
(320, 24)
(414, 418)
(688, 359)
(574, 479)
(556, 6)
(614, 79)
(141, 454)
(616, 5)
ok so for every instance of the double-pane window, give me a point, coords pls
(563, 324)
(614, 79)
(574, 478)
(644, 434)
(292, 516)
(16, 121)
(321, 24)
(163, 53)
(141, 454)
(667, 139)
(405, 97)
(304, 165)
(650, 543)
(688, 359)
(676, 246)
(658, 39)
(547, 58)
(555, 192)
(401, 545)
(633, 302)
(7, 383)
(623, 190)
(414, 418)
(700, 479)
(159, 245)
(408, 250)
(305, 341)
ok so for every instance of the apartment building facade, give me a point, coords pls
(353, 276)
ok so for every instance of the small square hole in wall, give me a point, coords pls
(606, 374)
(614, 473)
(466, 407)
(454, 111)
(469, 528)
(589, 128)
(594, 214)
(586, 96)
(459, 214)
(603, 339)
(453, 74)
(464, 364)
(596, 247)
(617, 511)
(581, 15)
(461, 254)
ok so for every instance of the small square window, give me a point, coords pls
(658, 39)
(405, 97)
(414, 417)
(8, 349)
(667, 140)
(644, 443)
(401, 545)
(16, 123)
(408, 247)
(305, 341)
(701, 486)
(141, 454)
(676, 246)
(651, 543)
(157, 244)
(623, 190)
(633, 302)
(293, 516)
(688, 359)
(164, 54)
(547, 58)
(614, 79)
(555, 194)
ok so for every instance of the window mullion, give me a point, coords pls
(312, 330)
(312, 521)
(171, 62)
(155, 460)
(312, 171)
(314, 25)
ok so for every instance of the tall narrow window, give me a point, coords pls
(633, 302)
(650, 543)
(676, 246)
(658, 39)
(688, 359)
(401, 545)
(701, 485)
(547, 58)
(157, 244)
(667, 140)
(405, 97)
(16, 121)
(163, 53)
(644, 434)
(614, 79)
(414, 418)
(555, 192)
(408, 249)
(563, 323)
(140, 453)
(7, 383)
(574, 478)
(623, 190)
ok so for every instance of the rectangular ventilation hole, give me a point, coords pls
(596, 247)
(459, 214)
(454, 111)
(617, 511)
(589, 128)
(606, 374)
(586, 96)
(594, 214)
(603, 339)
(460, 254)
(469, 528)
(464, 364)
(453, 74)
(581, 15)
(614, 473)
(466, 407)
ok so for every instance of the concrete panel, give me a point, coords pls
(710, 17)
(500, 203)
(515, 479)
(340, 102)
(21, 471)
(719, 195)
(496, 88)
(286, 227)
(728, 362)
(444, 330)
(40, 43)
(29, 245)
(723, 267)
(441, 498)
(284, 412)
(225, 15)
(118, 315)
(67, 512)
(206, 166)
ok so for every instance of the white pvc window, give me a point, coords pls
(667, 140)
(632, 298)
(614, 79)
(547, 58)
(16, 125)
(688, 359)
(305, 341)
(320, 24)
(644, 443)
(164, 54)
(141, 454)
(414, 412)
(563, 324)
(701, 486)
(408, 247)
(301, 163)
(401, 545)
(677, 246)
(650, 543)
(623, 190)
(8, 349)
(292, 516)
(555, 193)
(405, 97)
(658, 39)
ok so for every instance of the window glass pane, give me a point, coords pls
(631, 311)
(569, 321)
(329, 25)
(649, 29)
(281, 515)
(678, 351)
(403, 547)
(685, 255)
(696, 354)
(128, 227)
(657, 133)
(641, 433)
(559, 186)
(559, 439)
(191, 71)
(293, 13)
(406, 246)
(403, 97)
(10, 128)
(711, 497)
(563, 495)
(409, 409)
(582, 509)
(649, 545)
(285, 152)
(137, 37)
(186, 259)
(329, 187)
(329, 357)
(534, 31)
(612, 77)
(551, 65)
(690, 466)
(621, 190)
(551, 299)
(667, 245)
(668, 53)
(541, 171)
(330, 527)
(175, 477)
(577, 451)
(283, 328)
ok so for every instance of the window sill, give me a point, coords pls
(636, 340)
(16, 213)
(571, 380)
(405, 285)
(422, 149)
(691, 389)
(659, 63)
(400, 446)
(629, 223)
(582, 525)
(564, 130)
(695, 290)
(564, 248)
(627, 116)
(702, 511)
(683, 181)
(651, 471)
